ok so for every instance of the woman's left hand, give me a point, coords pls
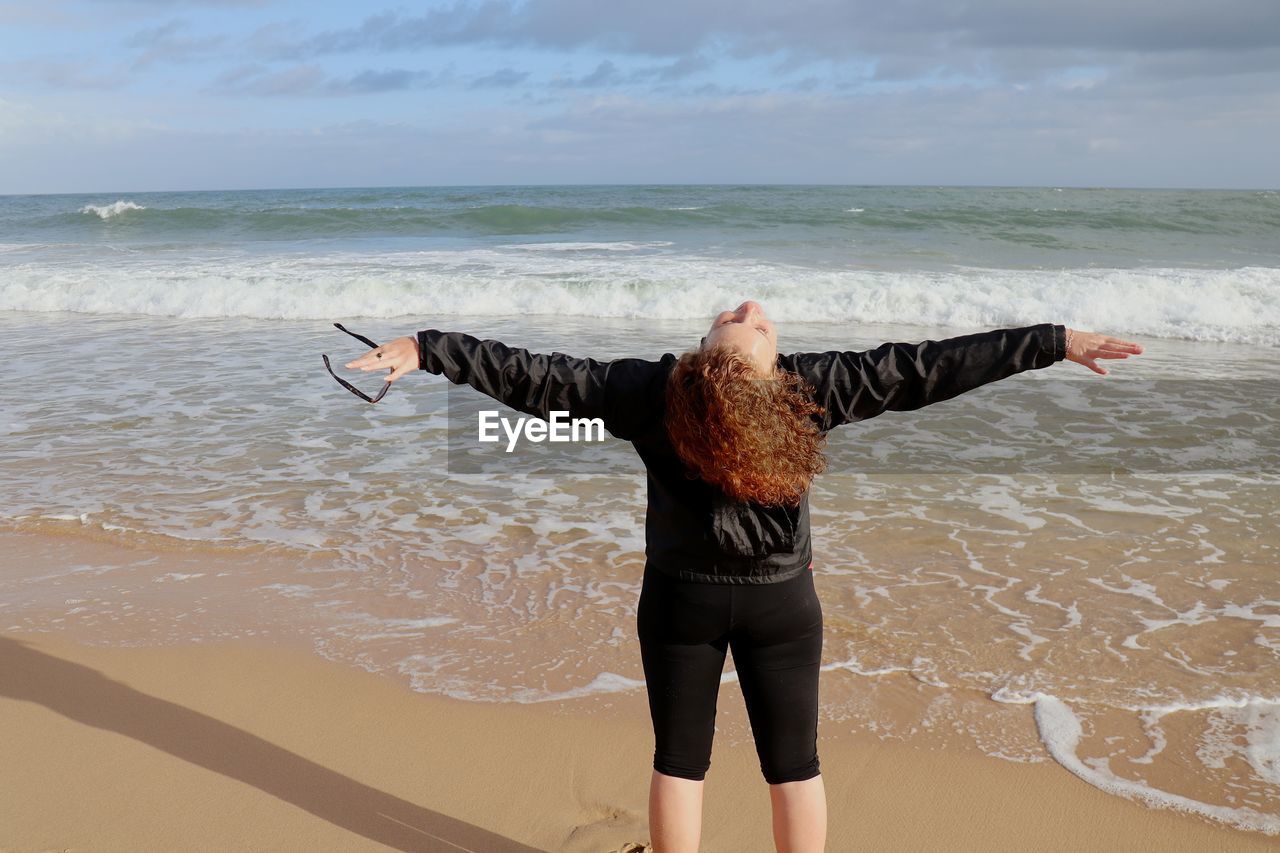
(1085, 347)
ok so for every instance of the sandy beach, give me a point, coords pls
(265, 746)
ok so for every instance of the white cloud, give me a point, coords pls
(24, 124)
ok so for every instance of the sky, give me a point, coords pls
(118, 95)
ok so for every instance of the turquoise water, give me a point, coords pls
(894, 226)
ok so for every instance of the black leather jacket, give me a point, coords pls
(693, 531)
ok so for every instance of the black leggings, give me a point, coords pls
(775, 631)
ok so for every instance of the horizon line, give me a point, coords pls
(650, 184)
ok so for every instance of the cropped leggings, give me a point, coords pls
(775, 632)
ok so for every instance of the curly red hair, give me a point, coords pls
(753, 438)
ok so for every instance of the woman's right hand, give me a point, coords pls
(401, 355)
(1085, 347)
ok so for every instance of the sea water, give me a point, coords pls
(1099, 550)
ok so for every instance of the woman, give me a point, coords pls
(731, 436)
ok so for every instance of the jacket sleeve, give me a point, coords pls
(540, 384)
(855, 386)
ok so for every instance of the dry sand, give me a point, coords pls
(237, 746)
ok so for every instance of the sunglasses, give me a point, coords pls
(344, 383)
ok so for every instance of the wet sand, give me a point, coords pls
(254, 745)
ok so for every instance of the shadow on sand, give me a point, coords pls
(87, 696)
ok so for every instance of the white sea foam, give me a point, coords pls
(1259, 717)
(618, 246)
(1012, 696)
(291, 590)
(401, 628)
(1241, 305)
(854, 666)
(605, 682)
(1268, 620)
(420, 668)
(108, 211)
(1061, 732)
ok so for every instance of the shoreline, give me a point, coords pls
(241, 744)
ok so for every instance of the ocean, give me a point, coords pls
(1056, 567)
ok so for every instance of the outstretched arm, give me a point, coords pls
(527, 382)
(532, 383)
(855, 386)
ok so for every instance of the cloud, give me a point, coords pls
(503, 78)
(908, 35)
(37, 128)
(144, 4)
(66, 74)
(312, 81)
(1138, 92)
(1044, 137)
(164, 44)
(1202, 63)
(464, 23)
(381, 81)
(18, 119)
(27, 14)
(941, 134)
(606, 73)
(678, 69)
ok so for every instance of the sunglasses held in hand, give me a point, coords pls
(344, 383)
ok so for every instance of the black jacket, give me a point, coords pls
(693, 530)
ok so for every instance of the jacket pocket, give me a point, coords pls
(751, 530)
